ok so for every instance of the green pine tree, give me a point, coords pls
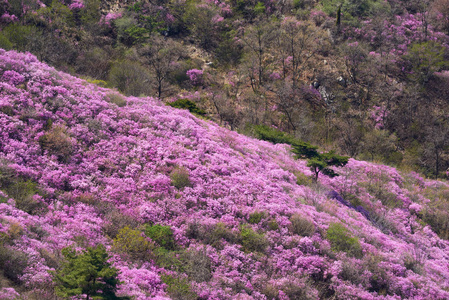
(87, 273)
(322, 162)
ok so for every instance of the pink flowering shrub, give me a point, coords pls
(8, 294)
(318, 17)
(224, 214)
(8, 18)
(378, 114)
(12, 77)
(195, 76)
(108, 18)
(77, 4)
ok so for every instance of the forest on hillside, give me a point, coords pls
(368, 78)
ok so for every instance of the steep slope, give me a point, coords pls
(81, 165)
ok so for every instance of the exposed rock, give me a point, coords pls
(327, 97)
(341, 81)
(113, 6)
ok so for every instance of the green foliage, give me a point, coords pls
(259, 8)
(187, 104)
(300, 148)
(298, 4)
(228, 51)
(48, 124)
(247, 9)
(129, 32)
(163, 235)
(98, 82)
(387, 198)
(117, 99)
(353, 199)
(95, 63)
(20, 189)
(153, 24)
(266, 133)
(179, 288)
(303, 179)
(302, 226)
(436, 214)
(19, 37)
(57, 142)
(353, 9)
(91, 14)
(295, 291)
(380, 144)
(7, 110)
(212, 234)
(55, 16)
(382, 221)
(219, 232)
(251, 240)
(378, 187)
(322, 162)
(198, 20)
(425, 59)
(304, 150)
(5, 43)
(22, 192)
(256, 217)
(180, 178)
(130, 78)
(135, 7)
(131, 242)
(16, 7)
(86, 273)
(342, 240)
(273, 225)
(135, 35)
(318, 162)
(316, 165)
(338, 22)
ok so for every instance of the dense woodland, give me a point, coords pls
(367, 78)
(124, 173)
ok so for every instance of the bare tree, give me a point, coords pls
(288, 102)
(440, 11)
(258, 41)
(435, 154)
(227, 111)
(161, 55)
(350, 131)
(296, 45)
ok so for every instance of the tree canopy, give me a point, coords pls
(87, 273)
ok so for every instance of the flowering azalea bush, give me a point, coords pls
(221, 215)
(195, 76)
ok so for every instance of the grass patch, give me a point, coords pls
(342, 240)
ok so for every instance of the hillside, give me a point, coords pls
(190, 210)
(367, 78)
